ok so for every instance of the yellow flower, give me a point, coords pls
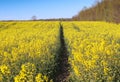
(4, 70)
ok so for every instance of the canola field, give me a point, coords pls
(94, 49)
(29, 51)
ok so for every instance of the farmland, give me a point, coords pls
(42, 51)
(94, 51)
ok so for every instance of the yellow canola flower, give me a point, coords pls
(5, 70)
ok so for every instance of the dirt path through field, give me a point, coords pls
(62, 70)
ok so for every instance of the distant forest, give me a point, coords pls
(104, 10)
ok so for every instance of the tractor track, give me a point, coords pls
(62, 68)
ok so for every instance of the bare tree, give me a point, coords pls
(34, 17)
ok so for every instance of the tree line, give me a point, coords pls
(104, 10)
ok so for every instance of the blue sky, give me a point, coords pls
(25, 9)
